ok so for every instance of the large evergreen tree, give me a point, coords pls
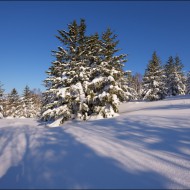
(106, 85)
(153, 80)
(86, 78)
(65, 96)
(175, 80)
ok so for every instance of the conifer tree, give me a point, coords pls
(130, 85)
(188, 83)
(1, 100)
(36, 96)
(179, 77)
(86, 78)
(137, 84)
(153, 80)
(1, 91)
(30, 103)
(168, 70)
(175, 80)
(27, 110)
(106, 85)
(65, 96)
(13, 104)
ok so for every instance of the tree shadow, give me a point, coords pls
(171, 134)
(158, 140)
(53, 158)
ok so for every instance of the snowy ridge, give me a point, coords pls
(147, 146)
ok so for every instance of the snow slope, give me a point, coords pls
(147, 146)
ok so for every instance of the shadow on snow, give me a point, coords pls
(54, 159)
(39, 157)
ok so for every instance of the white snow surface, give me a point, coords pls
(147, 146)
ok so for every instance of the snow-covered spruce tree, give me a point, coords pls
(180, 80)
(175, 80)
(168, 70)
(65, 96)
(106, 85)
(13, 104)
(26, 103)
(29, 106)
(153, 87)
(36, 96)
(85, 79)
(133, 83)
(130, 85)
(137, 84)
(188, 83)
(1, 100)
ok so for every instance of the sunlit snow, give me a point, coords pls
(146, 146)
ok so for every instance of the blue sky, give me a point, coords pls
(28, 29)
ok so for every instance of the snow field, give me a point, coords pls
(146, 146)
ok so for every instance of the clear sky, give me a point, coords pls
(28, 29)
